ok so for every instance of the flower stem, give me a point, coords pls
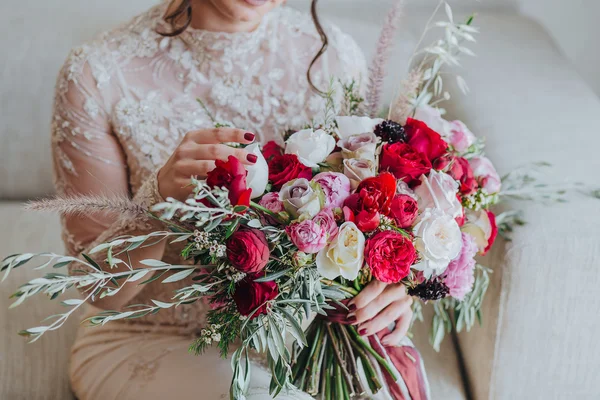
(372, 351)
(337, 351)
(343, 288)
(351, 358)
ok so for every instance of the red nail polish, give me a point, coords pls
(249, 136)
(352, 307)
(352, 318)
(252, 158)
(362, 332)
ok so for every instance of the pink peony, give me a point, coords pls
(336, 187)
(308, 236)
(459, 276)
(461, 138)
(326, 221)
(486, 174)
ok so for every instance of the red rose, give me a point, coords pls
(271, 149)
(404, 210)
(251, 297)
(461, 170)
(373, 197)
(285, 167)
(248, 250)
(494, 233)
(425, 139)
(231, 175)
(390, 255)
(404, 162)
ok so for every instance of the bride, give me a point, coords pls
(127, 122)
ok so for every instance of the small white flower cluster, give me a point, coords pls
(202, 239)
(217, 250)
(203, 242)
(210, 334)
(480, 200)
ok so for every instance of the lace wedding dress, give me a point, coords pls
(123, 103)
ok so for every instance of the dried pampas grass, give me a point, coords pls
(82, 205)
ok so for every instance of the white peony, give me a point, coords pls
(348, 126)
(345, 255)
(439, 191)
(478, 225)
(258, 173)
(438, 241)
(311, 147)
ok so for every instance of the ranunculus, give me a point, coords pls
(425, 139)
(404, 162)
(373, 197)
(438, 240)
(308, 236)
(232, 176)
(353, 125)
(344, 256)
(459, 276)
(251, 298)
(258, 173)
(326, 220)
(248, 250)
(461, 138)
(390, 255)
(482, 226)
(272, 149)
(486, 174)
(362, 146)
(301, 197)
(286, 167)
(404, 210)
(311, 147)
(439, 191)
(462, 172)
(357, 170)
(336, 187)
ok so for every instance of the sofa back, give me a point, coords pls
(36, 36)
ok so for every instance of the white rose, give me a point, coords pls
(258, 173)
(439, 191)
(478, 225)
(348, 126)
(345, 255)
(438, 241)
(300, 197)
(311, 147)
(403, 188)
(361, 146)
(357, 170)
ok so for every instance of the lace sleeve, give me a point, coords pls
(89, 160)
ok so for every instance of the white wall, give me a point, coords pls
(575, 26)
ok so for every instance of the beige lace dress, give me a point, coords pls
(123, 103)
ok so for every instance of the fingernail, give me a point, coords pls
(362, 332)
(252, 158)
(352, 307)
(249, 136)
(352, 318)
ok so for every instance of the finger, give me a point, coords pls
(198, 168)
(219, 152)
(385, 318)
(400, 331)
(221, 135)
(367, 295)
(389, 294)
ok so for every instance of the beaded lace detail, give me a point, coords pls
(124, 102)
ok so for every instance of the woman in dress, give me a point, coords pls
(127, 123)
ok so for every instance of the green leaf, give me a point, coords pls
(273, 276)
(154, 263)
(179, 276)
(93, 263)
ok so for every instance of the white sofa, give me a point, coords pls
(538, 337)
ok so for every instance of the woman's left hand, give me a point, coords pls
(378, 306)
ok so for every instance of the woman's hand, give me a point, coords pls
(378, 306)
(196, 155)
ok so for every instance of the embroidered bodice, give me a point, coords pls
(125, 100)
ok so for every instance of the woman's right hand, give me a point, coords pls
(196, 155)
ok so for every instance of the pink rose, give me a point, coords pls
(486, 174)
(461, 138)
(326, 221)
(271, 202)
(404, 210)
(336, 187)
(308, 236)
(459, 276)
